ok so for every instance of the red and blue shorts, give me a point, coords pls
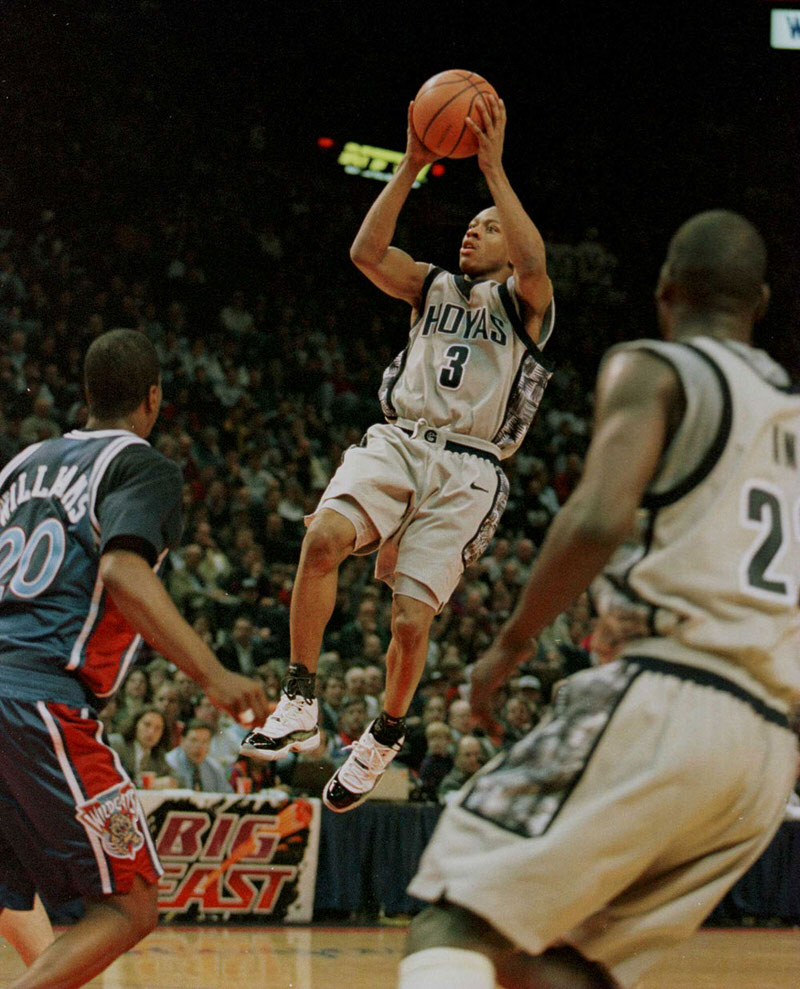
(71, 825)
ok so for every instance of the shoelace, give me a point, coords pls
(288, 706)
(365, 761)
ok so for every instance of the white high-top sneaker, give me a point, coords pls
(292, 726)
(358, 776)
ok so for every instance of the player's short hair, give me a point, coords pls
(719, 261)
(119, 369)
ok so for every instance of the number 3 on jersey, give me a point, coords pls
(763, 508)
(452, 372)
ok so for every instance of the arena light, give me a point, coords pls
(374, 163)
(325, 142)
(785, 29)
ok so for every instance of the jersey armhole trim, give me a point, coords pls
(714, 452)
(519, 328)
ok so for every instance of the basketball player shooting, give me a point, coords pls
(425, 488)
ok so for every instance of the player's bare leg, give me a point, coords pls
(29, 932)
(292, 727)
(383, 738)
(109, 928)
(448, 945)
(408, 650)
(330, 539)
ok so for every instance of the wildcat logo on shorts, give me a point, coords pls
(114, 816)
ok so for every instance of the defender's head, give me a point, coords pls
(122, 379)
(715, 268)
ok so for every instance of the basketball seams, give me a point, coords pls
(466, 82)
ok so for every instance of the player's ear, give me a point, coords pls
(763, 302)
(665, 287)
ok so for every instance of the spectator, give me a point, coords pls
(142, 749)
(191, 764)
(468, 760)
(438, 761)
(243, 650)
(352, 721)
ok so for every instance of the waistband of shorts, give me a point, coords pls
(705, 678)
(453, 442)
(37, 679)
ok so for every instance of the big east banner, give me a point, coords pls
(227, 855)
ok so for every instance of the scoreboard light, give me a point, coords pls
(374, 163)
(785, 29)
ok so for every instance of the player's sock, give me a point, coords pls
(443, 968)
(388, 730)
(300, 680)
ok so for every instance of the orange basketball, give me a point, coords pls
(440, 109)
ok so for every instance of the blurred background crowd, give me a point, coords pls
(140, 196)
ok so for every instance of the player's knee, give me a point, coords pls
(322, 550)
(408, 631)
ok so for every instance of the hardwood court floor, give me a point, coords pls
(367, 958)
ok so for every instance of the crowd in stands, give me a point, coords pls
(235, 265)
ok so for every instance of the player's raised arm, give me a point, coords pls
(525, 245)
(392, 270)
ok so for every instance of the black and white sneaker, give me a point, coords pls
(292, 726)
(358, 776)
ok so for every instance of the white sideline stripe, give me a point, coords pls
(77, 792)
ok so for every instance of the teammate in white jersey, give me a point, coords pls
(425, 488)
(608, 834)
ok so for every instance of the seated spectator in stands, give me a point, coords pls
(168, 701)
(350, 643)
(159, 669)
(40, 424)
(227, 734)
(529, 688)
(142, 749)
(352, 722)
(244, 649)
(188, 692)
(517, 720)
(468, 760)
(191, 764)
(355, 685)
(438, 761)
(416, 743)
(374, 681)
(331, 693)
(496, 557)
(186, 584)
(459, 718)
(135, 695)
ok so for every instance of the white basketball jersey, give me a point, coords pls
(716, 565)
(469, 366)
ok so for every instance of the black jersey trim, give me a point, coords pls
(714, 452)
(708, 679)
(519, 327)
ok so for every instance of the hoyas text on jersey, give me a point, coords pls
(470, 324)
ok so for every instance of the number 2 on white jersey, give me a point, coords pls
(763, 507)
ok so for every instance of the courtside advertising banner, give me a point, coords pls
(230, 856)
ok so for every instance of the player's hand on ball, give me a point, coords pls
(415, 149)
(491, 134)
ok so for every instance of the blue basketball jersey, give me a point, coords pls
(61, 503)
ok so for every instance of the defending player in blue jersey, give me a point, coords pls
(84, 522)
